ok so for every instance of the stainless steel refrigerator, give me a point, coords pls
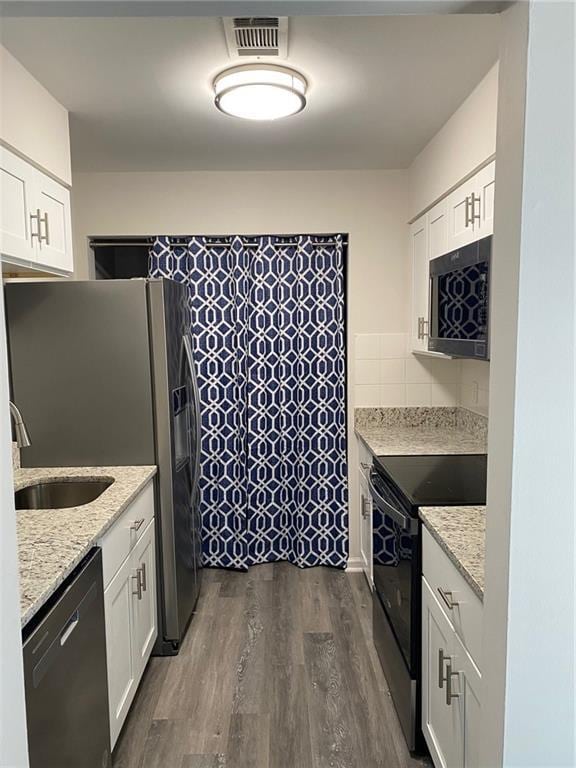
(103, 374)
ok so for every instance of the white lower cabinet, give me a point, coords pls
(365, 507)
(366, 528)
(440, 719)
(119, 611)
(130, 614)
(144, 626)
(451, 680)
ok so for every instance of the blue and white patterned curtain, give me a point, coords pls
(267, 320)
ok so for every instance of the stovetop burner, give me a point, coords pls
(438, 480)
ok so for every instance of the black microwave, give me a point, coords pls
(460, 301)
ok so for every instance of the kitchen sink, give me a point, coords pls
(59, 494)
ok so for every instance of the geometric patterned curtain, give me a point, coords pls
(268, 327)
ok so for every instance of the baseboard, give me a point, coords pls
(355, 565)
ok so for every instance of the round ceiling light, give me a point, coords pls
(260, 92)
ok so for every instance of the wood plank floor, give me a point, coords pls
(277, 670)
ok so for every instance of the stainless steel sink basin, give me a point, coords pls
(59, 494)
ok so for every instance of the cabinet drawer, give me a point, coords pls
(364, 458)
(119, 541)
(466, 616)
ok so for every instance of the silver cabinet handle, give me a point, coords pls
(442, 658)
(46, 235)
(475, 215)
(365, 508)
(35, 216)
(422, 323)
(447, 597)
(449, 675)
(467, 219)
(138, 580)
(143, 580)
(137, 524)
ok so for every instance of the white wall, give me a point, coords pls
(31, 121)
(13, 744)
(370, 206)
(466, 140)
(529, 689)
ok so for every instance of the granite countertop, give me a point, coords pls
(414, 431)
(460, 531)
(52, 542)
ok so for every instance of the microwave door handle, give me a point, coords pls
(404, 521)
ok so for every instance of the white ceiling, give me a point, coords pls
(139, 93)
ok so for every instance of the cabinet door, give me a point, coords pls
(437, 230)
(485, 186)
(122, 675)
(145, 630)
(467, 688)
(365, 528)
(53, 203)
(420, 281)
(17, 191)
(441, 721)
(460, 230)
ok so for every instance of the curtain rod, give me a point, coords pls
(179, 242)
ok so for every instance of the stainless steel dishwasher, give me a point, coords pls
(65, 675)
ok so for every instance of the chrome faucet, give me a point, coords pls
(20, 431)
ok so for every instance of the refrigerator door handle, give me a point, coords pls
(196, 394)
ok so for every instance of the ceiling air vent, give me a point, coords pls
(257, 36)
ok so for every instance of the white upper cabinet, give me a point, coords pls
(470, 210)
(35, 221)
(437, 230)
(485, 186)
(55, 234)
(419, 256)
(17, 180)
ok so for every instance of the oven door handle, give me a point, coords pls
(407, 523)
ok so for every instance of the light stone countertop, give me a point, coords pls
(52, 542)
(460, 531)
(421, 431)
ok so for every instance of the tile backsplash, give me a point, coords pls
(388, 374)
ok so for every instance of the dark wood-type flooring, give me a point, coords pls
(277, 670)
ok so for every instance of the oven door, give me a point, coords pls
(395, 555)
(460, 302)
(396, 601)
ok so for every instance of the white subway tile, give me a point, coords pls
(367, 346)
(444, 393)
(418, 394)
(483, 400)
(392, 395)
(392, 371)
(367, 395)
(367, 371)
(444, 370)
(417, 372)
(392, 345)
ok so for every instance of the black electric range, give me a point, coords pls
(399, 486)
(429, 481)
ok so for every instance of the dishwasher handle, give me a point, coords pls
(62, 635)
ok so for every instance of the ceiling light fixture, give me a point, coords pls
(260, 92)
